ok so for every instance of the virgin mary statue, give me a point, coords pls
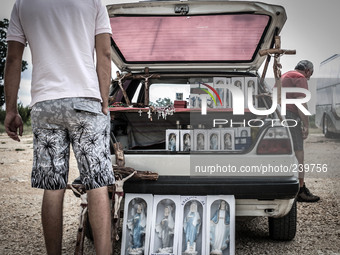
(137, 227)
(192, 224)
(165, 230)
(219, 229)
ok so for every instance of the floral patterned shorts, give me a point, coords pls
(57, 124)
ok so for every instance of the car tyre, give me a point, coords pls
(325, 127)
(284, 228)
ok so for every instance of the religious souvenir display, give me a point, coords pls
(214, 143)
(192, 237)
(172, 140)
(239, 83)
(179, 96)
(227, 139)
(186, 141)
(164, 231)
(221, 226)
(243, 131)
(163, 112)
(210, 100)
(215, 139)
(119, 192)
(137, 224)
(243, 138)
(251, 82)
(220, 85)
(200, 140)
(199, 96)
(195, 101)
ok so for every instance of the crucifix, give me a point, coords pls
(140, 112)
(277, 52)
(146, 84)
(150, 114)
(120, 84)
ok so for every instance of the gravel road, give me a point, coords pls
(318, 224)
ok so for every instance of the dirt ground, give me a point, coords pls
(318, 224)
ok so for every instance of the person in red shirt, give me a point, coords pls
(298, 78)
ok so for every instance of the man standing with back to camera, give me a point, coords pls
(298, 78)
(69, 105)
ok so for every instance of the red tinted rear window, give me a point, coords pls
(222, 38)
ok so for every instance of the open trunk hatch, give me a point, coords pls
(193, 34)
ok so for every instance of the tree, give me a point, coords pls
(25, 113)
(3, 52)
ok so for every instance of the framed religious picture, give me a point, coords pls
(195, 101)
(239, 83)
(227, 139)
(251, 83)
(172, 139)
(165, 225)
(179, 96)
(199, 95)
(210, 101)
(220, 85)
(220, 221)
(243, 132)
(214, 143)
(192, 225)
(136, 224)
(243, 139)
(200, 140)
(186, 141)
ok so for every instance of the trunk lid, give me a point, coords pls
(192, 35)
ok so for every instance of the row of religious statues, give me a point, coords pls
(192, 227)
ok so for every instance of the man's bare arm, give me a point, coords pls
(103, 52)
(13, 122)
(305, 121)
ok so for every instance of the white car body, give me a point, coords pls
(260, 191)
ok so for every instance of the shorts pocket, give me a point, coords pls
(88, 106)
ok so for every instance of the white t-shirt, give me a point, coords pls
(61, 35)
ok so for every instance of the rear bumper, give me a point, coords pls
(255, 196)
(260, 188)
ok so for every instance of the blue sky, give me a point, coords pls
(311, 29)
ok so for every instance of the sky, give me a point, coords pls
(311, 29)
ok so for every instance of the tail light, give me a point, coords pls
(275, 141)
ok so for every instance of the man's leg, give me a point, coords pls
(50, 167)
(100, 218)
(52, 220)
(304, 194)
(300, 158)
(91, 143)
